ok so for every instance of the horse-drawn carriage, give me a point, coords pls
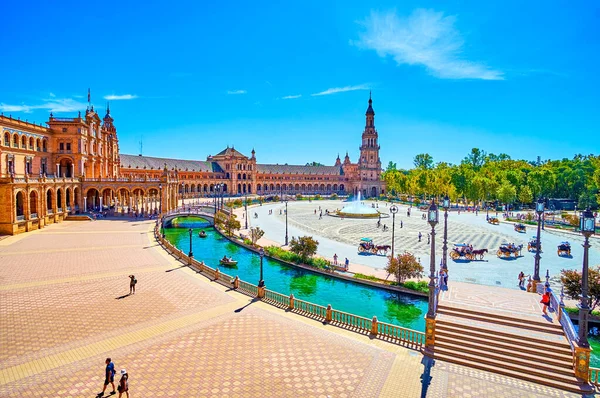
(493, 220)
(367, 246)
(507, 250)
(564, 249)
(520, 228)
(462, 251)
(532, 245)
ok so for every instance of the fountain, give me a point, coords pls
(357, 210)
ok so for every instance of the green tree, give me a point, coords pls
(423, 161)
(507, 193)
(227, 222)
(304, 246)
(391, 166)
(404, 266)
(525, 195)
(475, 159)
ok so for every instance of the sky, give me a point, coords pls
(292, 79)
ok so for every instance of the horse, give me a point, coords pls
(383, 248)
(479, 252)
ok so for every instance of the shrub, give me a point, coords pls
(317, 197)
(333, 196)
(421, 286)
(299, 196)
(417, 201)
(318, 262)
(367, 277)
(248, 242)
(404, 266)
(304, 246)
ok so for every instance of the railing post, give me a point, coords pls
(374, 328)
(236, 282)
(582, 362)
(561, 305)
(201, 266)
(291, 306)
(429, 334)
(328, 316)
(261, 292)
(217, 272)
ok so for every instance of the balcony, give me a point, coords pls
(21, 218)
(33, 216)
(50, 212)
(59, 210)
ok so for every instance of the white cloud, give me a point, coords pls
(114, 97)
(52, 95)
(52, 105)
(425, 38)
(292, 96)
(342, 89)
(234, 92)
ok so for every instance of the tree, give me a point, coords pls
(525, 195)
(476, 158)
(314, 164)
(227, 222)
(255, 234)
(507, 193)
(423, 161)
(391, 166)
(571, 280)
(304, 246)
(404, 266)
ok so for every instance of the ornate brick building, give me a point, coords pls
(73, 164)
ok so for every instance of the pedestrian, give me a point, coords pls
(347, 264)
(401, 225)
(428, 238)
(420, 236)
(109, 376)
(335, 257)
(521, 279)
(132, 283)
(124, 383)
(545, 302)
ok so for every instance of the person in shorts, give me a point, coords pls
(109, 376)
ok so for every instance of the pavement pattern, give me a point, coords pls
(64, 308)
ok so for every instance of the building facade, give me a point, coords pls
(74, 165)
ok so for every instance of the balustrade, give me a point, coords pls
(33, 216)
(277, 298)
(21, 218)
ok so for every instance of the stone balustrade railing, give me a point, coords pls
(314, 311)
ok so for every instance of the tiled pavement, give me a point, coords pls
(62, 312)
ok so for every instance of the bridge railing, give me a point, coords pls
(308, 309)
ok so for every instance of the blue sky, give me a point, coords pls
(293, 80)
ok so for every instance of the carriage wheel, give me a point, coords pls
(453, 255)
(499, 253)
(361, 249)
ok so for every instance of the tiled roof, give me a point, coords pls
(230, 152)
(292, 169)
(132, 161)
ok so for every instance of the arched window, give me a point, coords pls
(15, 141)
(6, 139)
(20, 213)
(49, 200)
(31, 143)
(45, 145)
(33, 205)
(38, 146)
(23, 142)
(244, 176)
(239, 176)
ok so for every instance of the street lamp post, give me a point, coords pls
(160, 199)
(587, 224)
(261, 253)
(446, 206)
(191, 254)
(182, 197)
(432, 218)
(394, 210)
(539, 209)
(286, 222)
(246, 210)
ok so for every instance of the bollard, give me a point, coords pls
(236, 282)
(217, 274)
(260, 292)
(374, 326)
(328, 316)
(291, 306)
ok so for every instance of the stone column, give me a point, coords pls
(72, 170)
(84, 204)
(58, 170)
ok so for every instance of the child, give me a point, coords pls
(124, 383)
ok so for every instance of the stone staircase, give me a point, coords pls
(524, 347)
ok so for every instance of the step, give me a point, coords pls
(527, 318)
(519, 348)
(533, 369)
(487, 335)
(520, 324)
(548, 364)
(572, 385)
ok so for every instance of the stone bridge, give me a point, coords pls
(206, 212)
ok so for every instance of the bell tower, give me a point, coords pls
(369, 164)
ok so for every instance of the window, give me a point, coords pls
(62, 146)
(68, 146)
(64, 130)
(6, 139)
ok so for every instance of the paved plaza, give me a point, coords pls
(341, 236)
(64, 308)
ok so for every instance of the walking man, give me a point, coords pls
(335, 257)
(109, 377)
(420, 236)
(132, 283)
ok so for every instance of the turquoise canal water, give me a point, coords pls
(390, 307)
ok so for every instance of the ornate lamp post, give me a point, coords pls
(446, 206)
(261, 253)
(191, 254)
(160, 199)
(246, 210)
(432, 218)
(394, 210)
(539, 209)
(182, 197)
(286, 222)
(582, 348)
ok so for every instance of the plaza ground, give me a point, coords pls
(341, 236)
(64, 308)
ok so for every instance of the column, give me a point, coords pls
(58, 170)
(100, 203)
(72, 170)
